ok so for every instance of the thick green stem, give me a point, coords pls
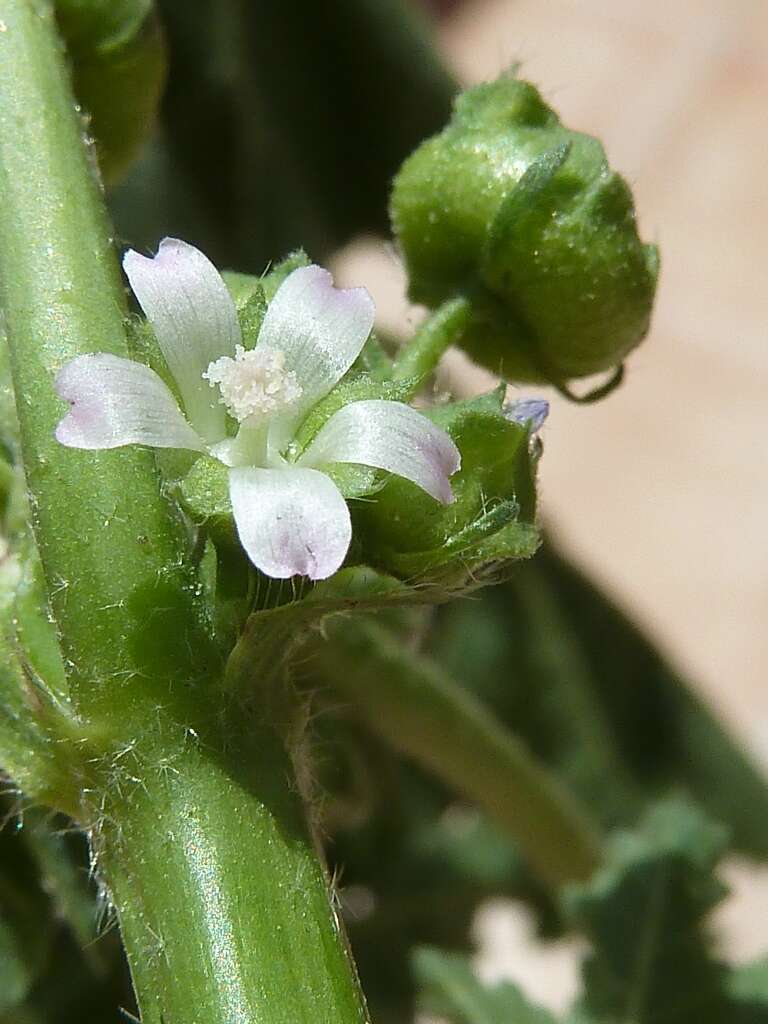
(419, 709)
(443, 328)
(221, 897)
(198, 822)
(111, 551)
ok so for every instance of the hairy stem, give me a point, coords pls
(113, 555)
(221, 898)
(197, 818)
(414, 705)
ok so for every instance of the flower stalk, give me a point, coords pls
(442, 328)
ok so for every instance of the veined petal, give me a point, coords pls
(194, 319)
(391, 436)
(319, 328)
(291, 522)
(117, 402)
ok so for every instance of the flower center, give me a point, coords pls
(255, 383)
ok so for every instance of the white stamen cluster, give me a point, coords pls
(255, 383)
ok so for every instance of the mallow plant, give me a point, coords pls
(204, 484)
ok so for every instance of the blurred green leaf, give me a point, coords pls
(748, 989)
(413, 863)
(118, 66)
(24, 943)
(516, 648)
(451, 989)
(644, 915)
(55, 967)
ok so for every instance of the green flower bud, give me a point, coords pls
(525, 217)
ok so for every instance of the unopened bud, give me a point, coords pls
(525, 218)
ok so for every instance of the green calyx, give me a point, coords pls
(244, 288)
(525, 217)
(493, 518)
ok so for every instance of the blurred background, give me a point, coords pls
(660, 491)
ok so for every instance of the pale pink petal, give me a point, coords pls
(117, 402)
(391, 436)
(319, 328)
(291, 522)
(194, 320)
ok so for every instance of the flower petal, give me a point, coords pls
(319, 328)
(291, 522)
(194, 319)
(391, 436)
(530, 412)
(116, 402)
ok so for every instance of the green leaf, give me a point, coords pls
(406, 699)
(243, 287)
(374, 359)
(38, 734)
(450, 988)
(251, 316)
(204, 494)
(34, 629)
(644, 914)
(522, 208)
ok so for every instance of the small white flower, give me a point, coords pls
(290, 516)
